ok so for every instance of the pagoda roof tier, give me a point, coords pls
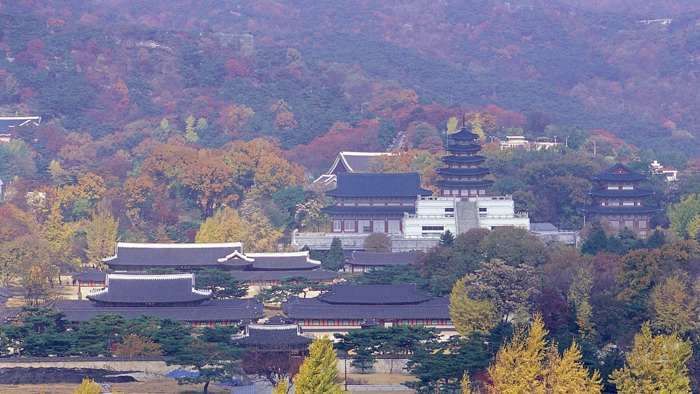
(619, 210)
(369, 210)
(149, 289)
(463, 159)
(463, 135)
(462, 184)
(378, 185)
(618, 173)
(233, 309)
(273, 336)
(463, 148)
(258, 276)
(620, 193)
(313, 308)
(374, 295)
(463, 171)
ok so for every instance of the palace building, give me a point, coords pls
(414, 218)
(619, 200)
(373, 203)
(348, 307)
(259, 269)
(348, 162)
(165, 296)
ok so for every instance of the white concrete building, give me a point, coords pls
(435, 215)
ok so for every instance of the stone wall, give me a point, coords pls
(149, 365)
(157, 366)
(383, 365)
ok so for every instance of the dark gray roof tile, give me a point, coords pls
(143, 289)
(274, 336)
(374, 295)
(378, 185)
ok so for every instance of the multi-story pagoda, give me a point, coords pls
(618, 199)
(463, 177)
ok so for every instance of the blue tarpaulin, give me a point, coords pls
(181, 373)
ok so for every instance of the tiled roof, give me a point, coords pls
(257, 276)
(90, 275)
(542, 227)
(463, 134)
(366, 210)
(6, 293)
(463, 171)
(376, 259)
(619, 172)
(619, 210)
(213, 310)
(353, 161)
(463, 148)
(7, 123)
(462, 184)
(378, 185)
(283, 261)
(143, 289)
(373, 295)
(359, 161)
(154, 255)
(273, 336)
(313, 308)
(463, 159)
(620, 193)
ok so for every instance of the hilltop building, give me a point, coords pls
(373, 203)
(348, 307)
(618, 199)
(519, 141)
(414, 218)
(671, 174)
(165, 296)
(348, 162)
(10, 123)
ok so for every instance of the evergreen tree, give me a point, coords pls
(446, 239)
(319, 372)
(222, 283)
(656, 240)
(335, 258)
(596, 243)
(363, 360)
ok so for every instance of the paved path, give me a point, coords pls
(369, 387)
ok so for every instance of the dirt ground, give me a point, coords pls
(379, 378)
(170, 386)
